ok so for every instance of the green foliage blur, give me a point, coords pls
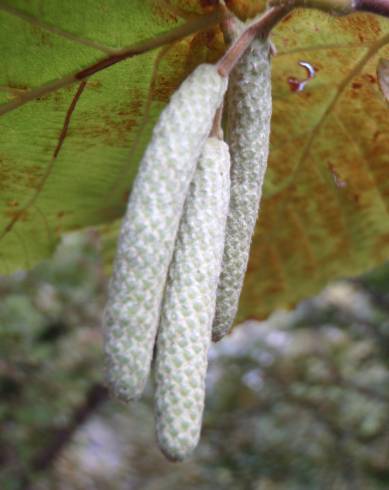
(300, 401)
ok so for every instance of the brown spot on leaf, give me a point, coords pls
(364, 27)
(246, 9)
(33, 176)
(294, 84)
(370, 78)
(43, 37)
(171, 70)
(356, 198)
(111, 125)
(94, 84)
(125, 196)
(164, 12)
(209, 3)
(12, 203)
(287, 17)
(17, 215)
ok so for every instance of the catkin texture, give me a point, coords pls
(249, 114)
(189, 303)
(149, 229)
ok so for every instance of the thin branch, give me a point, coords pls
(217, 129)
(379, 7)
(338, 7)
(95, 397)
(260, 27)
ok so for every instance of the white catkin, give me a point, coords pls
(249, 114)
(149, 229)
(189, 304)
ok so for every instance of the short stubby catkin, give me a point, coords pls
(149, 229)
(249, 114)
(189, 304)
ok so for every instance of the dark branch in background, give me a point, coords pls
(95, 397)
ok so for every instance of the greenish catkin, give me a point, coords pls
(189, 303)
(249, 114)
(149, 229)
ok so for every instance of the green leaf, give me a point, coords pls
(325, 209)
(66, 161)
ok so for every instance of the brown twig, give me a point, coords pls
(217, 129)
(338, 7)
(96, 395)
(260, 27)
(379, 7)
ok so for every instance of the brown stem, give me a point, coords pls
(380, 7)
(260, 27)
(217, 130)
(229, 26)
(338, 7)
(95, 397)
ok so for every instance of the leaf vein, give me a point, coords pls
(50, 166)
(9, 9)
(358, 67)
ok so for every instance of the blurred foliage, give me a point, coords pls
(300, 401)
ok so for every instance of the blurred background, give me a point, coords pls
(300, 401)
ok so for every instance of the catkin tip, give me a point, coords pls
(217, 337)
(176, 454)
(122, 389)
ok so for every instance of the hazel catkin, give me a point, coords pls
(248, 131)
(149, 229)
(188, 307)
